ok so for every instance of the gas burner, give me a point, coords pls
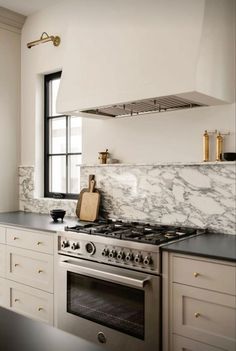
(171, 234)
(138, 232)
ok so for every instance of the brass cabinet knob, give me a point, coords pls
(39, 243)
(16, 300)
(40, 271)
(16, 264)
(196, 314)
(15, 238)
(40, 309)
(196, 274)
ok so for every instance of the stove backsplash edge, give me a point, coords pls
(198, 195)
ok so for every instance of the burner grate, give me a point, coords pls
(136, 232)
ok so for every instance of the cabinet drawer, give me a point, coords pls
(2, 235)
(36, 241)
(30, 268)
(185, 344)
(3, 292)
(2, 260)
(205, 274)
(206, 316)
(31, 302)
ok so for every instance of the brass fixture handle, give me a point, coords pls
(39, 243)
(16, 300)
(15, 238)
(40, 309)
(196, 274)
(40, 271)
(196, 314)
(16, 264)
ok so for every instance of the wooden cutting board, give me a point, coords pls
(89, 206)
(91, 177)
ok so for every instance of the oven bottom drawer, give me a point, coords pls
(106, 337)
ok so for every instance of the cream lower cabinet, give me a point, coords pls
(2, 260)
(26, 271)
(3, 292)
(199, 308)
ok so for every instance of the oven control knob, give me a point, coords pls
(147, 260)
(90, 248)
(105, 252)
(75, 246)
(138, 258)
(112, 254)
(65, 243)
(129, 257)
(120, 255)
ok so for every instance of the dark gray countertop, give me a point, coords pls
(36, 221)
(211, 245)
(19, 333)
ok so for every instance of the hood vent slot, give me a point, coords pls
(140, 107)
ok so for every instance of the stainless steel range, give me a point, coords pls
(108, 282)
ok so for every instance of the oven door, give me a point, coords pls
(116, 307)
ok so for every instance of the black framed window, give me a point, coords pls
(63, 146)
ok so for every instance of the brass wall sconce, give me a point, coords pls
(44, 39)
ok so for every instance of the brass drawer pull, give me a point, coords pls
(16, 264)
(40, 271)
(39, 243)
(15, 238)
(196, 274)
(196, 314)
(40, 309)
(16, 300)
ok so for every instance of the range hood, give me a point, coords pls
(131, 58)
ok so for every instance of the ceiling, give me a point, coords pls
(27, 7)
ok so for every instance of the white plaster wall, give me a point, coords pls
(9, 117)
(172, 136)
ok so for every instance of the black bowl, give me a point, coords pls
(230, 156)
(57, 214)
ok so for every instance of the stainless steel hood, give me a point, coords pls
(129, 58)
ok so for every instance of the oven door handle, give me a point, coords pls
(130, 280)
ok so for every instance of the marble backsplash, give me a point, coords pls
(201, 195)
(29, 203)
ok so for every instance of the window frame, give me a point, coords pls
(48, 194)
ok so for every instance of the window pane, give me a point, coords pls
(74, 174)
(53, 90)
(57, 174)
(75, 132)
(57, 135)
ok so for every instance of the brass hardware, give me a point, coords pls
(40, 309)
(16, 264)
(196, 274)
(44, 39)
(39, 243)
(205, 146)
(196, 314)
(16, 300)
(15, 238)
(40, 271)
(219, 147)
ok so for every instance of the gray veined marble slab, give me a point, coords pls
(201, 194)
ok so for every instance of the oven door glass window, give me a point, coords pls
(110, 304)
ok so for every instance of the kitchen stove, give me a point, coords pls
(129, 244)
(109, 282)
